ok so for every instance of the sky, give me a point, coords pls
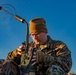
(60, 16)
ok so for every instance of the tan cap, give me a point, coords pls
(37, 25)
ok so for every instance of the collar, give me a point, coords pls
(46, 45)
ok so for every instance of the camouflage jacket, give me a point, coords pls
(57, 49)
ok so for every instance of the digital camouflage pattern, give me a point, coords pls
(53, 58)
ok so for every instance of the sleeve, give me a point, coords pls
(13, 56)
(63, 57)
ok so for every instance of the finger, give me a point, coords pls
(21, 46)
(19, 50)
(19, 53)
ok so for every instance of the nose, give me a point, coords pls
(34, 36)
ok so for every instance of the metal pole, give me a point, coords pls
(23, 21)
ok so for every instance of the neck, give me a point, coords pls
(44, 41)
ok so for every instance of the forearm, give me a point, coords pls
(13, 56)
(61, 58)
(64, 62)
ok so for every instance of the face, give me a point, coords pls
(39, 38)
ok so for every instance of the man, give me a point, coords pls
(50, 57)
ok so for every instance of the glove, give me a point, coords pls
(48, 60)
(38, 57)
(43, 57)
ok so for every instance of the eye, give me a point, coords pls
(34, 34)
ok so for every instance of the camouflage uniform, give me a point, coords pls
(54, 58)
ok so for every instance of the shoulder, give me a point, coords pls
(62, 48)
(55, 43)
(60, 45)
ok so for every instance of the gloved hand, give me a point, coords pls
(19, 50)
(38, 57)
(48, 60)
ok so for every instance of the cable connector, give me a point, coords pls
(19, 18)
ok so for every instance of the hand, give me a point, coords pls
(48, 60)
(38, 57)
(19, 50)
